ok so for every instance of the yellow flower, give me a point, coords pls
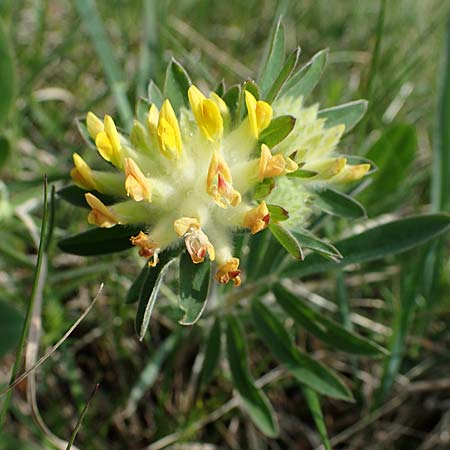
(82, 173)
(136, 185)
(168, 132)
(273, 166)
(259, 114)
(148, 248)
(219, 182)
(229, 272)
(257, 218)
(108, 143)
(94, 125)
(196, 241)
(100, 214)
(207, 114)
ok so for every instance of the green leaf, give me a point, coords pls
(253, 399)
(348, 114)
(287, 240)
(100, 241)
(339, 204)
(251, 87)
(393, 153)
(279, 128)
(149, 291)
(263, 189)
(313, 402)
(152, 369)
(220, 88)
(136, 287)
(231, 98)
(323, 328)
(308, 240)
(141, 110)
(10, 325)
(176, 85)
(5, 150)
(303, 82)
(212, 353)
(302, 173)
(305, 369)
(277, 213)
(275, 59)
(7, 75)
(75, 196)
(283, 76)
(155, 96)
(376, 243)
(194, 288)
(80, 122)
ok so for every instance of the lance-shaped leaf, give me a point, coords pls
(155, 96)
(80, 122)
(287, 240)
(308, 240)
(302, 173)
(313, 402)
(194, 288)
(303, 82)
(99, 241)
(176, 85)
(141, 109)
(212, 353)
(149, 291)
(305, 369)
(135, 289)
(348, 114)
(279, 128)
(283, 76)
(277, 213)
(232, 98)
(376, 243)
(275, 59)
(263, 189)
(323, 328)
(339, 204)
(76, 196)
(253, 399)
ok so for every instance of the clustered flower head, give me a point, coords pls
(197, 175)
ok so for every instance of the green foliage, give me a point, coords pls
(7, 75)
(279, 128)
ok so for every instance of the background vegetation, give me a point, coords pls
(71, 57)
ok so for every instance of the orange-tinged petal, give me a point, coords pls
(82, 173)
(100, 214)
(257, 218)
(229, 271)
(148, 247)
(136, 184)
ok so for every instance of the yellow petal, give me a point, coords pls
(82, 173)
(168, 132)
(259, 114)
(104, 146)
(229, 271)
(257, 218)
(184, 224)
(352, 173)
(100, 214)
(94, 125)
(136, 184)
(152, 120)
(274, 165)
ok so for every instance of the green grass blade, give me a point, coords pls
(26, 324)
(113, 72)
(212, 353)
(253, 399)
(7, 75)
(313, 402)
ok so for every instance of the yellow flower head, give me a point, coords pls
(168, 132)
(259, 114)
